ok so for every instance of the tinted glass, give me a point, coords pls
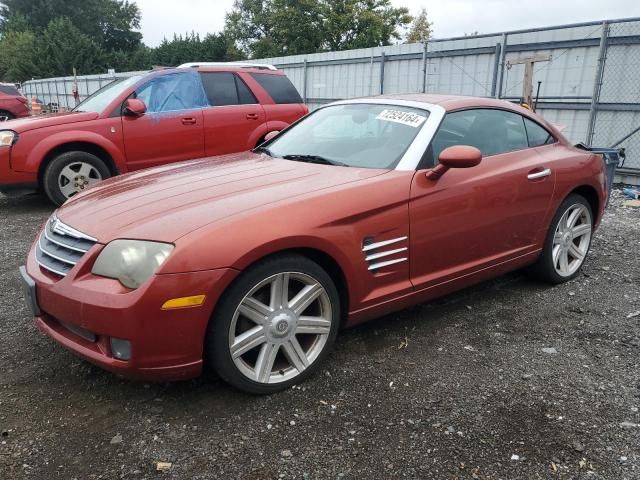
(245, 96)
(220, 88)
(9, 90)
(358, 135)
(537, 134)
(107, 94)
(279, 87)
(491, 131)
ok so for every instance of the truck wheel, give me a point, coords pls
(71, 173)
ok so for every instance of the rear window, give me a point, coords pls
(278, 87)
(226, 89)
(9, 90)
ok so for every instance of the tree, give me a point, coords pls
(110, 23)
(191, 48)
(17, 56)
(63, 47)
(420, 30)
(266, 28)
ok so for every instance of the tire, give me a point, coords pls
(4, 115)
(297, 349)
(71, 173)
(573, 240)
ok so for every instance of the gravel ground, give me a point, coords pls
(507, 380)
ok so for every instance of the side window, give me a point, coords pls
(537, 134)
(245, 96)
(491, 131)
(173, 92)
(279, 87)
(220, 88)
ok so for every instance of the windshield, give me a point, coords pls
(355, 135)
(107, 94)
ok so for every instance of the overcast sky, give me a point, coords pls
(163, 18)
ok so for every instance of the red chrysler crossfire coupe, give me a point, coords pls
(252, 262)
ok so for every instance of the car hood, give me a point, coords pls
(25, 124)
(166, 203)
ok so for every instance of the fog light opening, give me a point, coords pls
(120, 349)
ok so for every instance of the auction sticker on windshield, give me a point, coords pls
(405, 118)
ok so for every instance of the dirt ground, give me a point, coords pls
(511, 379)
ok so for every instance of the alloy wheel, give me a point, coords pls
(571, 240)
(280, 327)
(76, 177)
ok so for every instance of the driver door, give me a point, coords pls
(476, 218)
(172, 128)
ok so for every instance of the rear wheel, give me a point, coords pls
(71, 173)
(275, 325)
(567, 242)
(4, 116)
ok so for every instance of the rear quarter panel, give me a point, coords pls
(575, 168)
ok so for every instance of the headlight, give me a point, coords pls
(131, 261)
(7, 138)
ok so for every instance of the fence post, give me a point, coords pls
(382, 60)
(597, 87)
(496, 69)
(304, 85)
(425, 51)
(503, 61)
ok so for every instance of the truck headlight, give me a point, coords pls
(7, 138)
(132, 262)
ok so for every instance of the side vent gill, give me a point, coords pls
(381, 254)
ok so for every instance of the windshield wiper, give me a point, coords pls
(263, 150)
(314, 159)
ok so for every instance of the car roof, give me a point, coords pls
(455, 102)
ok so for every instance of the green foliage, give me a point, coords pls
(267, 28)
(190, 48)
(420, 30)
(62, 46)
(17, 56)
(110, 23)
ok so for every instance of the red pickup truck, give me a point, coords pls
(167, 115)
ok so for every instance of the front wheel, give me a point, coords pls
(274, 326)
(71, 173)
(567, 242)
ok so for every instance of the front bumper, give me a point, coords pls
(82, 312)
(12, 182)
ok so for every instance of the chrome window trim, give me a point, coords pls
(412, 157)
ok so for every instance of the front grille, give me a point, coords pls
(60, 247)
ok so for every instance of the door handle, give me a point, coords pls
(538, 175)
(189, 121)
(252, 116)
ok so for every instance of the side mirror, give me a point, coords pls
(271, 135)
(134, 108)
(458, 156)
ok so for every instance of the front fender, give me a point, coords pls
(33, 158)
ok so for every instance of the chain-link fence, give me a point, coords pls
(583, 77)
(616, 116)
